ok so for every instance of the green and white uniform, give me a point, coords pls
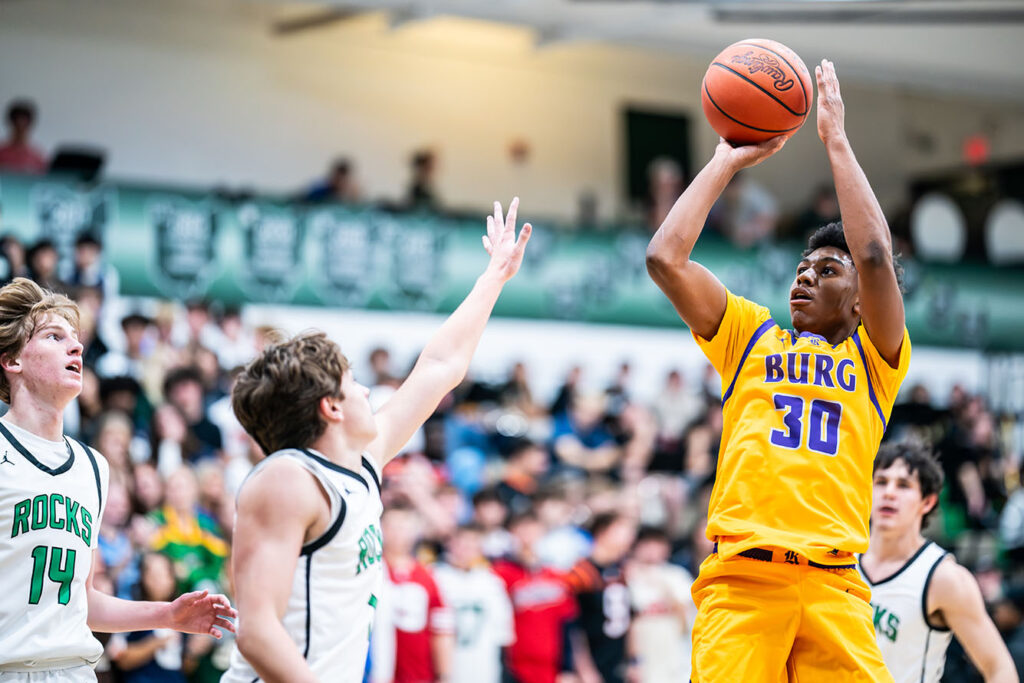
(338, 576)
(51, 500)
(913, 649)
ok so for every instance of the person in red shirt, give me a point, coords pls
(424, 626)
(543, 606)
(18, 154)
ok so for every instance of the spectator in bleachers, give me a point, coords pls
(131, 361)
(151, 656)
(542, 604)
(663, 609)
(192, 540)
(483, 614)
(603, 602)
(90, 269)
(421, 195)
(183, 389)
(580, 441)
(563, 542)
(490, 513)
(665, 182)
(236, 347)
(339, 185)
(525, 467)
(14, 251)
(42, 260)
(746, 213)
(18, 154)
(115, 544)
(423, 623)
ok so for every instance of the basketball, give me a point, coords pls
(756, 89)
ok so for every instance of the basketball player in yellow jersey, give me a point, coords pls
(780, 598)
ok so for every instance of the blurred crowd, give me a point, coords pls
(527, 538)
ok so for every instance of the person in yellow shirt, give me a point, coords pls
(804, 411)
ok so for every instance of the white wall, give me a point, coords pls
(199, 92)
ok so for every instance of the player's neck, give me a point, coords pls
(895, 546)
(838, 334)
(41, 418)
(335, 447)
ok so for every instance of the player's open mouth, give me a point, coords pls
(74, 367)
(799, 296)
(887, 510)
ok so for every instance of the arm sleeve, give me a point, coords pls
(724, 350)
(885, 378)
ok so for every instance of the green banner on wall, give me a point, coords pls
(184, 244)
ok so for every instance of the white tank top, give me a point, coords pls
(338, 576)
(913, 649)
(51, 500)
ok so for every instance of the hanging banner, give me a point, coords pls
(187, 244)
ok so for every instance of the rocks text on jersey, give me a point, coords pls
(52, 511)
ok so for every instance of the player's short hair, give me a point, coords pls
(919, 460)
(277, 396)
(832, 235)
(24, 306)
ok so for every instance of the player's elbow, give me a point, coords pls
(660, 261)
(249, 641)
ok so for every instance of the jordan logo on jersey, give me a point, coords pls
(53, 511)
(370, 544)
(886, 623)
(7, 460)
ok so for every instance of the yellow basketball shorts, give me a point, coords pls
(775, 622)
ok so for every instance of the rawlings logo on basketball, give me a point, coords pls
(767, 64)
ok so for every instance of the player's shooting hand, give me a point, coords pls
(745, 156)
(831, 112)
(500, 241)
(201, 613)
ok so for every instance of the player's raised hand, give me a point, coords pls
(201, 613)
(746, 156)
(831, 111)
(500, 241)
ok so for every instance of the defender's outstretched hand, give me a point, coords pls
(746, 156)
(831, 112)
(202, 613)
(500, 241)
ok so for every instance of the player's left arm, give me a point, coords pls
(955, 593)
(864, 224)
(198, 612)
(445, 359)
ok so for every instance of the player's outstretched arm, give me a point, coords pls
(955, 592)
(275, 508)
(867, 233)
(445, 359)
(198, 612)
(696, 294)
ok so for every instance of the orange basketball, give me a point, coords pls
(756, 89)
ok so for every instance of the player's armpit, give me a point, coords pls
(955, 593)
(276, 508)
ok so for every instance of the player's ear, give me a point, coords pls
(11, 363)
(330, 408)
(929, 502)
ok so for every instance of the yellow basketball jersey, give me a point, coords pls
(802, 420)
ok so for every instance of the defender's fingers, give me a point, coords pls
(487, 244)
(498, 220)
(510, 217)
(490, 226)
(524, 236)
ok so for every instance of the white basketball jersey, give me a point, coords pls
(913, 649)
(334, 590)
(483, 621)
(51, 501)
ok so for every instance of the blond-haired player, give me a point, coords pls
(804, 411)
(307, 544)
(52, 492)
(920, 595)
